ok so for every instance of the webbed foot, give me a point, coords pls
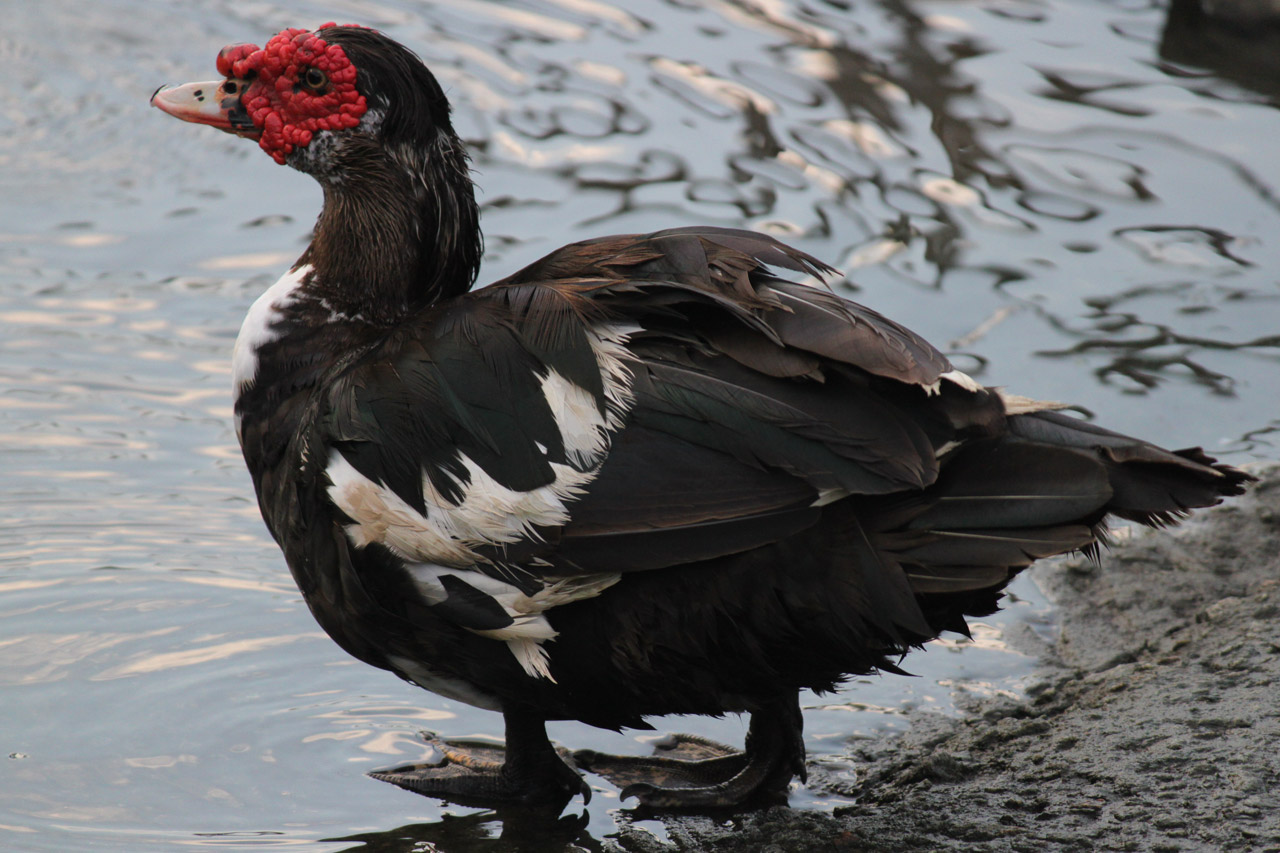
(529, 771)
(688, 772)
(678, 761)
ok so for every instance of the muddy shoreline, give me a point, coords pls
(1154, 723)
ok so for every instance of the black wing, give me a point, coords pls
(739, 401)
(757, 400)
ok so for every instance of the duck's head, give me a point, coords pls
(364, 116)
(317, 100)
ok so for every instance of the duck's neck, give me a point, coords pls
(399, 230)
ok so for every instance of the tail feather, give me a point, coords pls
(1158, 493)
(1149, 484)
(1020, 484)
(1046, 487)
(1007, 547)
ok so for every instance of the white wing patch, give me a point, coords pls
(529, 627)
(1015, 404)
(487, 514)
(830, 496)
(612, 355)
(947, 448)
(444, 539)
(258, 328)
(958, 377)
(583, 427)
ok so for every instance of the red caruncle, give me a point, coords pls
(279, 100)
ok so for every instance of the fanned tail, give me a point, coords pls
(1149, 484)
(1045, 487)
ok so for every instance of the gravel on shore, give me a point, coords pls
(1154, 723)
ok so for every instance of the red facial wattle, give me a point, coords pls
(280, 96)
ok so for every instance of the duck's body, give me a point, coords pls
(643, 476)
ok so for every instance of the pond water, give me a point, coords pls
(1074, 197)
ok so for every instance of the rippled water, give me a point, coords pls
(1075, 198)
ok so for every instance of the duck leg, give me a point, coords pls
(529, 770)
(697, 773)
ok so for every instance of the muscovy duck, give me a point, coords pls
(645, 475)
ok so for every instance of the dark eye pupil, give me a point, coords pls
(315, 78)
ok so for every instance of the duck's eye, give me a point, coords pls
(315, 79)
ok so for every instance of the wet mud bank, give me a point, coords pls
(1154, 723)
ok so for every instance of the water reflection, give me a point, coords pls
(505, 831)
(1238, 42)
(1080, 198)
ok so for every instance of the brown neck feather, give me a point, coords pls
(399, 229)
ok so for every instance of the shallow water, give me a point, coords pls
(1050, 190)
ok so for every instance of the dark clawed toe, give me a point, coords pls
(641, 791)
(583, 758)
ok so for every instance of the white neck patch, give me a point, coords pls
(259, 329)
